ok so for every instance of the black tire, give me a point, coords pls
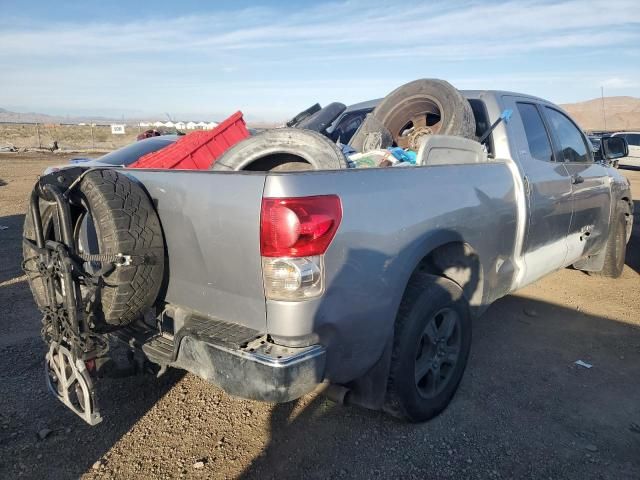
(428, 300)
(319, 121)
(616, 247)
(429, 106)
(304, 114)
(121, 219)
(283, 149)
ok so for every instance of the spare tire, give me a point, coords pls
(425, 107)
(283, 149)
(111, 214)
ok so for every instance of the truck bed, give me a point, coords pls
(390, 217)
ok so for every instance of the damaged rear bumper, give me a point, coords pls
(258, 371)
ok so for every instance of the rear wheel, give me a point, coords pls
(432, 340)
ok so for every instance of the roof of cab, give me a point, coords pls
(369, 104)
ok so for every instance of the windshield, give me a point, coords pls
(129, 154)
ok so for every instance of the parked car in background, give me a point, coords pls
(633, 140)
(123, 157)
(595, 140)
(596, 147)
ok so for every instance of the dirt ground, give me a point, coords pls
(523, 410)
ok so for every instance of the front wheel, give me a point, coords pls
(432, 340)
(615, 249)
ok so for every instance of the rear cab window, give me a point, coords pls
(347, 126)
(481, 117)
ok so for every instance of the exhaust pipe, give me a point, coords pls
(337, 393)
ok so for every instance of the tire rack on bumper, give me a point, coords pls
(66, 326)
(241, 361)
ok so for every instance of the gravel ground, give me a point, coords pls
(523, 410)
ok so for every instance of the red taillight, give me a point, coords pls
(300, 226)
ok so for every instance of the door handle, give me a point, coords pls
(576, 179)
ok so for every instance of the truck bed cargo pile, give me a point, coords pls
(390, 134)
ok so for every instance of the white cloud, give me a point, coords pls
(620, 82)
(471, 28)
(348, 50)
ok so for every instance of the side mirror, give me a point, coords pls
(614, 147)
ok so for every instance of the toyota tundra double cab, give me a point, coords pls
(271, 283)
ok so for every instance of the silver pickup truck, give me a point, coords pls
(362, 281)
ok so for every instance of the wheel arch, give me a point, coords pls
(459, 262)
(449, 257)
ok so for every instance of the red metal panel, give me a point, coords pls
(197, 150)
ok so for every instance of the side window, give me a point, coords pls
(574, 148)
(537, 138)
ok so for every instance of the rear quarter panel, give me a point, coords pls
(391, 219)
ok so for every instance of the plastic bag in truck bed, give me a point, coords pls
(390, 157)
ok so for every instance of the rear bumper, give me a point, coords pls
(257, 371)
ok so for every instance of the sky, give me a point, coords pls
(271, 59)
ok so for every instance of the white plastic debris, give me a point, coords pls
(580, 363)
(3, 227)
(373, 158)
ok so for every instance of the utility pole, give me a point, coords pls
(38, 133)
(604, 115)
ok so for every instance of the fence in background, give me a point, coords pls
(68, 136)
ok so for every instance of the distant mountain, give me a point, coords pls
(621, 113)
(33, 117)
